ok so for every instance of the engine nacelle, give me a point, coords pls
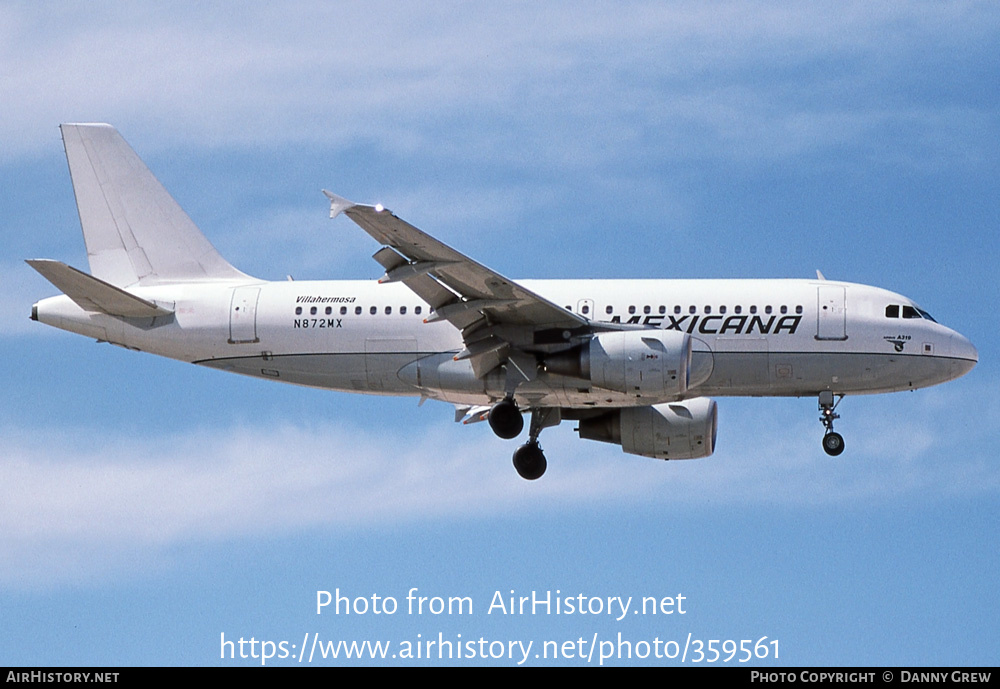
(642, 363)
(674, 430)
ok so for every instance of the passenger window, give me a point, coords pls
(402, 310)
(646, 309)
(373, 310)
(631, 309)
(585, 309)
(784, 310)
(417, 310)
(798, 309)
(357, 310)
(663, 309)
(388, 310)
(298, 310)
(329, 310)
(608, 309)
(892, 311)
(722, 309)
(343, 310)
(738, 310)
(312, 311)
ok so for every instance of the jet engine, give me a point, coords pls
(674, 430)
(643, 363)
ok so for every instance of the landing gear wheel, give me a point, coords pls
(529, 460)
(833, 443)
(505, 419)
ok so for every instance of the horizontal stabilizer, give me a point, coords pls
(92, 294)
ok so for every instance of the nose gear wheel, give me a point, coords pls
(833, 443)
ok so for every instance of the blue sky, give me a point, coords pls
(146, 506)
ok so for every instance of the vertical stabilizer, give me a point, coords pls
(134, 230)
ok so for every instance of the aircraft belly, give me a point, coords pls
(792, 374)
(350, 372)
(439, 377)
(739, 363)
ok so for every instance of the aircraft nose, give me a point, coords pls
(964, 351)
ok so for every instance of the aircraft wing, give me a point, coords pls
(500, 320)
(459, 289)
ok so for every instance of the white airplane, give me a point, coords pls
(633, 361)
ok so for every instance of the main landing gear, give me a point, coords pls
(833, 443)
(506, 421)
(529, 460)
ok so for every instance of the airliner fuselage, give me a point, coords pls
(750, 337)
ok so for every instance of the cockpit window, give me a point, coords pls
(893, 311)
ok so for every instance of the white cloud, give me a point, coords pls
(75, 505)
(505, 82)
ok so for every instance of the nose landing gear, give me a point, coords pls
(833, 443)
